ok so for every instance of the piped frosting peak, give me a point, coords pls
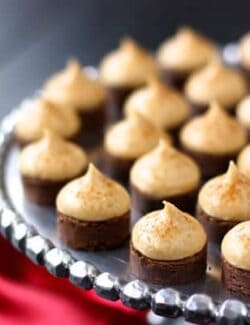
(121, 68)
(52, 158)
(227, 196)
(93, 197)
(74, 88)
(167, 234)
(165, 172)
(132, 137)
(202, 132)
(160, 104)
(45, 114)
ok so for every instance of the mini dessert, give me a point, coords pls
(48, 164)
(72, 87)
(168, 247)
(215, 82)
(164, 174)
(39, 114)
(213, 139)
(93, 212)
(184, 53)
(124, 70)
(235, 251)
(244, 48)
(243, 161)
(164, 107)
(223, 202)
(243, 114)
(126, 141)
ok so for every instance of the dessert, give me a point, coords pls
(164, 174)
(223, 202)
(39, 114)
(93, 212)
(124, 70)
(163, 250)
(235, 250)
(48, 164)
(184, 53)
(215, 82)
(243, 114)
(166, 108)
(243, 161)
(74, 88)
(244, 48)
(212, 139)
(126, 141)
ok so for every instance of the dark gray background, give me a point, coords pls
(37, 36)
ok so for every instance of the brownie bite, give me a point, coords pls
(124, 70)
(244, 49)
(48, 164)
(243, 114)
(163, 106)
(93, 212)
(126, 141)
(243, 161)
(215, 82)
(168, 247)
(184, 53)
(164, 174)
(212, 140)
(39, 114)
(235, 251)
(223, 202)
(77, 90)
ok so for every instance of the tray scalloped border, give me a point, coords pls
(166, 302)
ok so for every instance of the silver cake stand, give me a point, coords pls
(32, 230)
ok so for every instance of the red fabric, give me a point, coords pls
(30, 295)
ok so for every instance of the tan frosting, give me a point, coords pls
(243, 112)
(132, 137)
(214, 132)
(244, 161)
(93, 197)
(216, 82)
(52, 158)
(39, 114)
(227, 196)
(186, 51)
(168, 234)
(165, 172)
(129, 65)
(163, 106)
(244, 47)
(73, 87)
(235, 247)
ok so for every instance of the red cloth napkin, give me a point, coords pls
(30, 295)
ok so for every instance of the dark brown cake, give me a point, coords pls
(91, 235)
(183, 271)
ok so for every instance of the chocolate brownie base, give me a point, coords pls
(183, 271)
(93, 119)
(235, 279)
(117, 97)
(93, 125)
(215, 228)
(93, 235)
(117, 167)
(211, 165)
(41, 191)
(174, 78)
(144, 203)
